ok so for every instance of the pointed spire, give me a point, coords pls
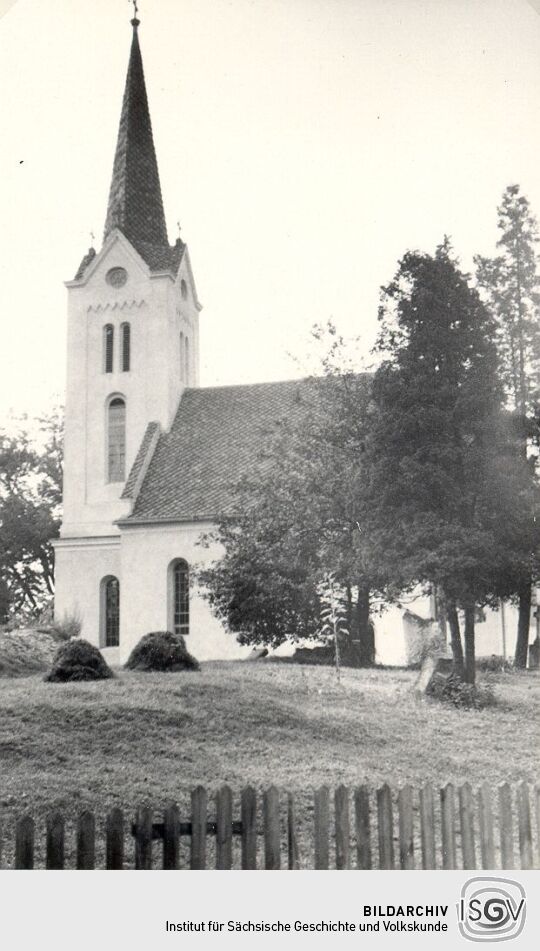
(135, 202)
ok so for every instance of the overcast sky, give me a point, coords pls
(304, 145)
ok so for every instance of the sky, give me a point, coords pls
(303, 145)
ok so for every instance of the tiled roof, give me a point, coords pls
(162, 258)
(88, 258)
(214, 439)
(135, 202)
(145, 448)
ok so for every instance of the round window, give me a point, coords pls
(116, 276)
(183, 289)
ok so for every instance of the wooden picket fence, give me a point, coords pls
(365, 833)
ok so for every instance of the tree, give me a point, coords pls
(510, 283)
(333, 616)
(30, 497)
(297, 516)
(437, 434)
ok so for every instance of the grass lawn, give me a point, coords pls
(153, 737)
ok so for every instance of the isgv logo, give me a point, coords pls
(491, 909)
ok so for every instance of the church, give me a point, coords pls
(150, 456)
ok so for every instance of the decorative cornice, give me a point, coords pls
(87, 541)
(117, 305)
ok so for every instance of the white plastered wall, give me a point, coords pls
(81, 565)
(154, 307)
(147, 553)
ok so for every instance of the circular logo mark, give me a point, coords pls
(491, 909)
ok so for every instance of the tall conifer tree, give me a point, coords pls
(510, 283)
(436, 430)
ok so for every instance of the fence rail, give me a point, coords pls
(403, 830)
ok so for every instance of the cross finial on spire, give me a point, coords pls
(135, 203)
(135, 21)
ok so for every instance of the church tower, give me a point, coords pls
(133, 331)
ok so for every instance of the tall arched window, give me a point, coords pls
(108, 348)
(116, 440)
(126, 347)
(110, 612)
(179, 596)
(186, 360)
(182, 377)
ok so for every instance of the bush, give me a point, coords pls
(78, 660)
(455, 691)
(68, 626)
(161, 650)
(493, 664)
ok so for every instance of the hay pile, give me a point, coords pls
(78, 660)
(161, 650)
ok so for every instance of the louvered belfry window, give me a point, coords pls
(112, 612)
(126, 348)
(116, 448)
(181, 597)
(108, 347)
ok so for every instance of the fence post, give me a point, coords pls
(363, 838)
(386, 827)
(525, 833)
(171, 837)
(55, 841)
(466, 818)
(143, 839)
(448, 826)
(248, 807)
(86, 837)
(224, 828)
(506, 826)
(322, 821)
(115, 839)
(198, 828)
(341, 808)
(427, 828)
(406, 832)
(271, 829)
(292, 841)
(24, 843)
(485, 821)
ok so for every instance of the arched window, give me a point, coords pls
(126, 347)
(108, 347)
(179, 596)
(182, 377)
(110, 612)
(116, 440)
(186, 360)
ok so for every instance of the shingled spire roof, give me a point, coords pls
(135, 202)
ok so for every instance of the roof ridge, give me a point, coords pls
(246, 386)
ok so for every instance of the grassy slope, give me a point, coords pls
(155, 736)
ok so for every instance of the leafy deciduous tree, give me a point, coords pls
(30, 498)
(298, 515)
